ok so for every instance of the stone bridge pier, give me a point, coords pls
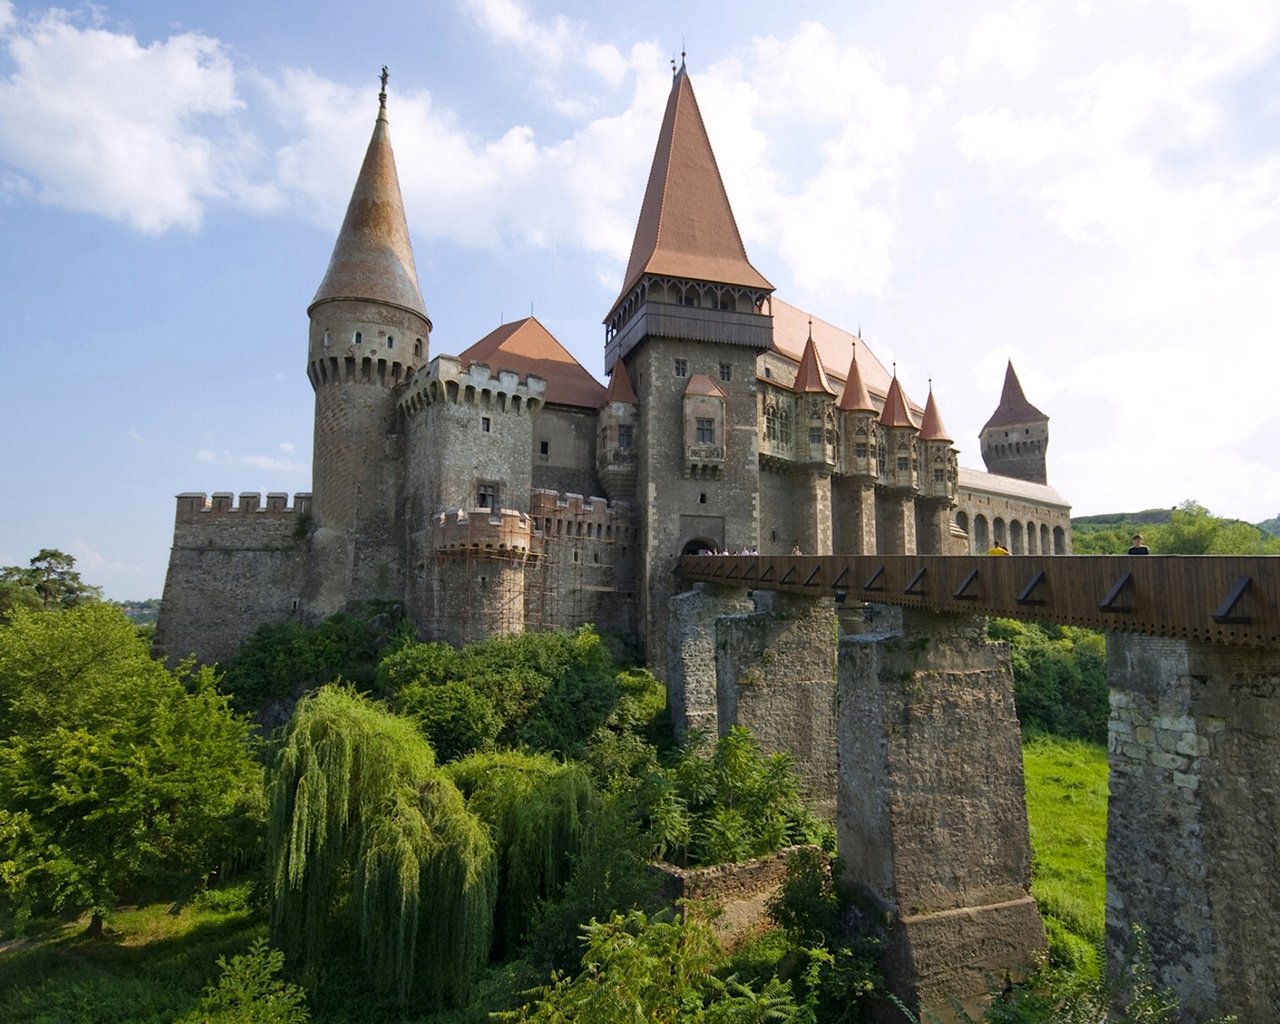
(1194, 821)
(911, 743)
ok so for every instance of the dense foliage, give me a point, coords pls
(375, 850)
(1059, 678)
(1190, 530)
(49, 580)
(117, 777)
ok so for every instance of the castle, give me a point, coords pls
(505, 488)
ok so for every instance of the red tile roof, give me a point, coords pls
(810, 378)
(526, 347)
(1014, 407)
(701, 384)
(855, 397)
(686, 227)
(896, 411)
(835, 346)
(372, 258)
(931, 428)
(620, 389)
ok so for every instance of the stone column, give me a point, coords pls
(813, 512)
(691, 653)
(855, 510)
(935, 533)
(776, 674)
(932, 819)
(1193, 853)
(896, 523)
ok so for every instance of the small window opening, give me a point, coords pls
(544, 447)
(682, 368)
(359, 337)
(702, 498)
(391, 342)
(706, 431)
(726, 371)
(485, 424)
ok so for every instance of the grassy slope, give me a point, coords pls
(1067, 810)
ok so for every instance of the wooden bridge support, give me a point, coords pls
(1193, 829)
(932, 818)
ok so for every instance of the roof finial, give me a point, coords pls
(682, 53)
(811, 328)
(930, 385)
(895, 369)
(382, 96)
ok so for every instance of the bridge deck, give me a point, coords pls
(1232, 599)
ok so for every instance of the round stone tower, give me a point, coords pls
(1014, 440)
(369, 332)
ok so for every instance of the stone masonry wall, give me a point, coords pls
(232, 568)
(1194, 819)
(932, 819)
(691, 654)
(775, 674)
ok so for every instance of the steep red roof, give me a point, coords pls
(855, 397)
(896, 411)
(372, 258)
(686, 227)
(1013, 407)
(701, 384)
(526, 347)
(931, 427)
(620, 389)
(835, 346)
(810, 378)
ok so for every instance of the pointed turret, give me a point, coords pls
(1015, 439)
(620, 389)
(811, 378)
(861, 435)
(855, 397)
(896, 411)
(372, 258)
(687, 250)
(938, 470)
(931, 427)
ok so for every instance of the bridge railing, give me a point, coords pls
(1231, 599)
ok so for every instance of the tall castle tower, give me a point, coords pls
(369, 332)
(692, 316)
(1014, 440)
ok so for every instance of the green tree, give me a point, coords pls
(374, 849)
(50, 580)
(116, 775)
(640, 969)
(1193, 530)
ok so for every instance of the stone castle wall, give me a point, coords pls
(1192, 852)
(233, 567)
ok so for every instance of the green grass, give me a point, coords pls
(149, 967)
(1066, 782)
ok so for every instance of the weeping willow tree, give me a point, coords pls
(537, 809)
(370, 837)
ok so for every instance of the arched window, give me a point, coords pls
(784, 427)
(771, 423)
(998, 532)
(1059, 541)
(1016, 545)
(981, 540)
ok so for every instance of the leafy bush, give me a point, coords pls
(455, 719)
(249, 992)
(1059, 678)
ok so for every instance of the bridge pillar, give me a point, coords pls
(691, 653)
(1194, 819)
(776, 673)
(813, 513)
(896, 523)
(931, 815)
(855, 512)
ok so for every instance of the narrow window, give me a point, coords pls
(706, 431)
(545, 447)
(726, 371)
(702, 498)
(815, 435)
(391, 342)
(485, 424)
(626, 436)
(487, 496)
(860, 451)
(417, 347)
(359, 337)
(939, 476)
(326, 339)
(682, 368)
(903, 464)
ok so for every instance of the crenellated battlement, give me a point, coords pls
(573, 515)
(446, 380)
(487, 533)
(195, 506)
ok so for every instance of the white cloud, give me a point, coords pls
(89, 560)
(99, 122)
(6, 14)
(1008, 39)
(226, 458)
(509, 22)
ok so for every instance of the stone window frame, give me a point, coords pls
(681, 368)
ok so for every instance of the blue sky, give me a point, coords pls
(1092, 190)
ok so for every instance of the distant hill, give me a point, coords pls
(1271, 526)
(1111, 519)
(143, 613)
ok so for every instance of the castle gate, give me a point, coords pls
(915, 725)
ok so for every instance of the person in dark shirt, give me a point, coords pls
(1138, 547)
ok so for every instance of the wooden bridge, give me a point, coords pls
(1230, 599)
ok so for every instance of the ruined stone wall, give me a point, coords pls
(1192, 849)
(232, 568)
(775, 675)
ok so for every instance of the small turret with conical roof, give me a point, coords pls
(1016, 437)
(898, 450)
(369, 332)
(938, 471)
(858, 418)
(817, 406)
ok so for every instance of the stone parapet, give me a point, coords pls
(482, 532)
(196, 506)
(447, 380)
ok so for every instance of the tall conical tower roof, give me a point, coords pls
(686, 226)
(896, 411)
(931, 427)
(1014, 407)
(372, 258)
(855, 397)
(620, 389)
(810, 377)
